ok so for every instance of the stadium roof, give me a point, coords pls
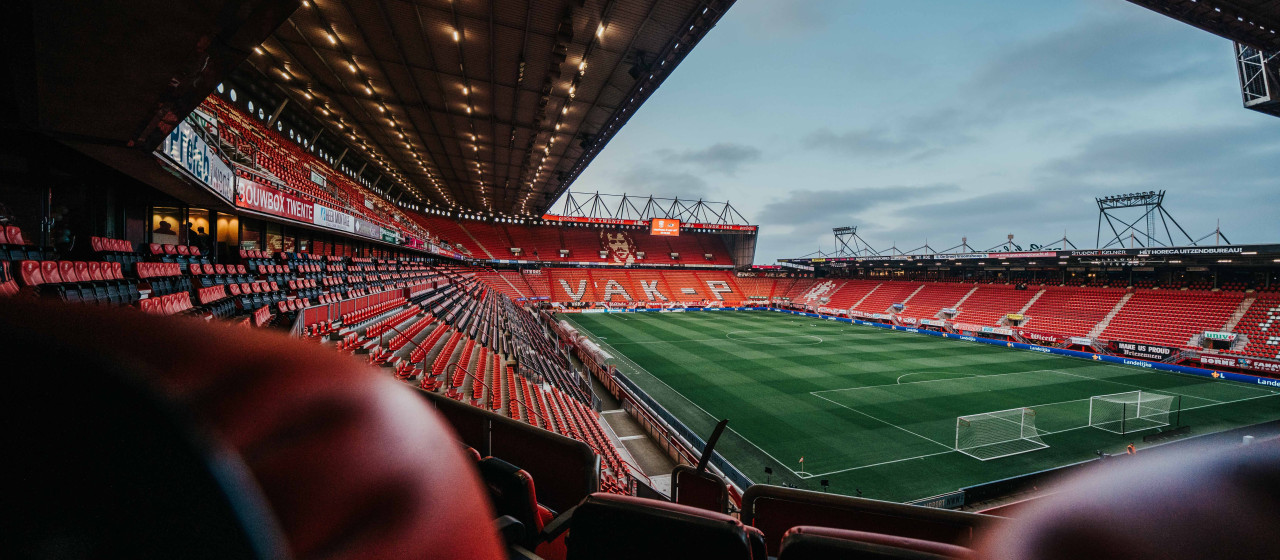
(1251, 22)
(479, 105)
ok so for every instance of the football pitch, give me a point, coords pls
(874, 410)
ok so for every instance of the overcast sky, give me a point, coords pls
(931, 120)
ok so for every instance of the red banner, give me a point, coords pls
(1039, 337)
(259, 197)
(578, 220)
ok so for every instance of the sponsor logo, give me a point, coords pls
(1040, 349)
(968, 338)
(1269, 382)
(1138, 363)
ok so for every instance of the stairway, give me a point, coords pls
(473, 238)
(513, 286)
(966, 296)
(1030, 302)
(1245, 304)
(913, 294)
(1097, 329)
(867, 295)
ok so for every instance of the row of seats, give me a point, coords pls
(104, 245)
(171, 304)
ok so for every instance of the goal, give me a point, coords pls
(992, 435)
(1134, 411)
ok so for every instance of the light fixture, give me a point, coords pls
(456, 37)
(332, 40)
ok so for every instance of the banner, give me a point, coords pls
(1039, 337)
(334, 219)
(365, 228)
(1081, 341)
(933, 323)
(1015, 316)
(1142, 351)
(1025, 255)
(1215, 335)
(261, 198)
(997, 330)
(189, 151)
(390, 235)
(317, 178)
(1221, 361)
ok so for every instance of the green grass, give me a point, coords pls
(875, 410)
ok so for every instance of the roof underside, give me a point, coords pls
(477, 104)
(1251, 22)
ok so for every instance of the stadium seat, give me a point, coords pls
(350, 463)
(821, 543)
(626, 527)
(774, 510)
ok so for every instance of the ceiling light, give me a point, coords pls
(456, 37)
(600, 30)
(257, 50)
(332, 40)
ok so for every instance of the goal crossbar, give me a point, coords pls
(992, 435)
(1133, 411)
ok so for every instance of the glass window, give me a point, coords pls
(274, 240)
(200, 231)
(164, 225)
(250, 105)
(220, 88)
(233, 94)
(251, 236)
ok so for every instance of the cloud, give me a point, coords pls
(777, 19)
(651, 178)
(822, 206)
(724, 157)
(1123, 55)
(880, 144)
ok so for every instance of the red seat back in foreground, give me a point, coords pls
(349, 463)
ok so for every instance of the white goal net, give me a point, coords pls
(992, 435)
(1124, 413)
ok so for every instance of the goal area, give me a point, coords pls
(992, 435)
(1133, 411)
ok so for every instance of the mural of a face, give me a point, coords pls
(621, 248)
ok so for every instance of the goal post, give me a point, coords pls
(992, 435)
(1133, 411)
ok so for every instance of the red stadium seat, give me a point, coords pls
(376, 473)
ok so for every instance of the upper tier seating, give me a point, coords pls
(991, 302)
(622, 245)
(887, 294)
(1261, 323)
(1071, 311)
(933, 298)
(1171, 318)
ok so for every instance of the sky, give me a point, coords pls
(930, 121)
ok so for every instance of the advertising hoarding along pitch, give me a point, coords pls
(1142, 351)
(664, 226)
